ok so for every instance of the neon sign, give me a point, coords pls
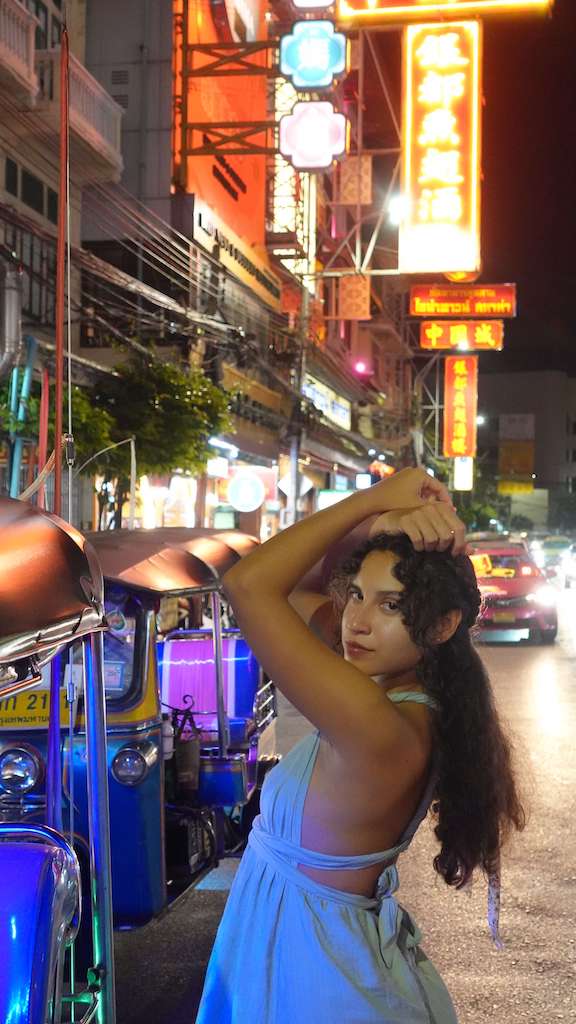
(440, 230)
(313, 55)
(479, 335)
(460, 406)
(313, 135)
(420, 10)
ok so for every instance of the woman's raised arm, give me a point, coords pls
(329, 691)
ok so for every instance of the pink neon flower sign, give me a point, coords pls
(313, 135)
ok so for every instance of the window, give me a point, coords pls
(52, 205)
(56, 33)
(11, 177)
(38, 258)
(40, 10)
(32, 192)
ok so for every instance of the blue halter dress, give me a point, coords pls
(290, 950)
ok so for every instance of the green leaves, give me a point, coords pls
(169, 410)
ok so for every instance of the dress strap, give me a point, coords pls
(400, 696)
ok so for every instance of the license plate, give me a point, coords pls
(30, 710)
(504, 617)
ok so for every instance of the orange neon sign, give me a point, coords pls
(441, 148)
(476, 335)
(419, 10)
(460, 406)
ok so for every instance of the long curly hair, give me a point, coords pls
(476, 801)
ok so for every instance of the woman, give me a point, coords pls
(312, 933)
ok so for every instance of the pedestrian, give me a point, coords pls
(405, 720)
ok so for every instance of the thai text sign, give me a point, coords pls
(440, 231)
(476, 335)
(384, 11)
(478, 300)
(460, 405)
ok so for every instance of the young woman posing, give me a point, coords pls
(312, 933)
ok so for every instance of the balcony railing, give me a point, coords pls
(95, 119)
(17, 71)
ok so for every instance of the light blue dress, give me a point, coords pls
(292, 951)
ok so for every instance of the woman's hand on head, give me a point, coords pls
(408, 489)
(432, 527)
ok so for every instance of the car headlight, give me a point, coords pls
(133, 762)
(545, 596)
(20, 770)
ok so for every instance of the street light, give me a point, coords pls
(397, 209)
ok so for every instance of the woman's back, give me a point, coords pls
(348, 813)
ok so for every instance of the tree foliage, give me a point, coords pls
(170, 412)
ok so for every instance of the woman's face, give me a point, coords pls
(374, 636)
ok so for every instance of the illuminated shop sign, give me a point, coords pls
(308, 5)
(478, 300)
(460, 406)
(383, 11)
(440, 229)
(313, 54)
(475, 335)
(463, 474)
(235, 254)
(332, 405)
(313, 135)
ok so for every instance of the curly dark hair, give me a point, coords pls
(476, 801)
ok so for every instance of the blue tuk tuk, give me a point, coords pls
(51, 611)
(188, 718)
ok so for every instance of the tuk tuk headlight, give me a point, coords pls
(20, 770)
(133, 762)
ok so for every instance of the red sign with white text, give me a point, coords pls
(481, 300)
(460, 406)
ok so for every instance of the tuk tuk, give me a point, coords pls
(51, 600)
(188, 713)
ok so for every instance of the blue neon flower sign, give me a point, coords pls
(313, 55)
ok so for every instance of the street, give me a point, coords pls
(533, 980)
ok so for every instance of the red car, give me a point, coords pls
(518, 601)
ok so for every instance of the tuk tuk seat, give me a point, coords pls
(41, 872)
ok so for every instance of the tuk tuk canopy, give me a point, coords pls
(169, 560)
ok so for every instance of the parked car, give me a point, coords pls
(550, 553)
(518, 601)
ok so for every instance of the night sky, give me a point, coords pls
(529, 188)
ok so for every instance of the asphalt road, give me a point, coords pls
(160, 968)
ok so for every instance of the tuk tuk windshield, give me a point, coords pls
(121, 615)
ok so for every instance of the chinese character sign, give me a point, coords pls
(440, 231)
(460, 405)
(473, 335)
(386, 11)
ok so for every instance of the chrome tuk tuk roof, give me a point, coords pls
(51, 588)
(170, 560)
